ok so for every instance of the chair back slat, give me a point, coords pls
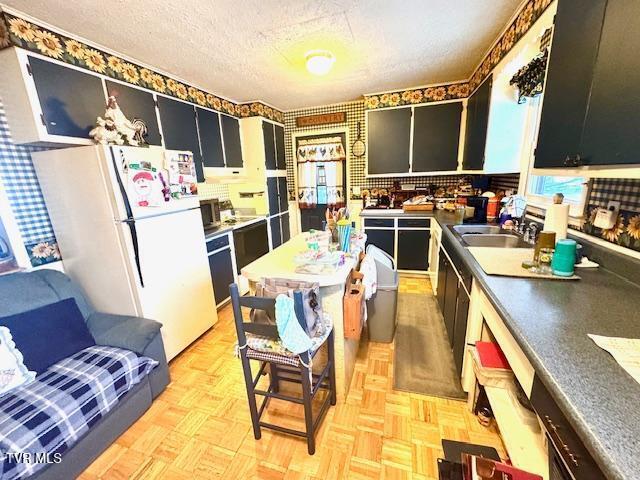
(268, 305)
(261, 329)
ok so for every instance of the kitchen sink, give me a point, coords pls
(476, 229)
(505, 240)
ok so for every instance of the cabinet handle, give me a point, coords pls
(567, 161)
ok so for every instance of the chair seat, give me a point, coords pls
(272, 350)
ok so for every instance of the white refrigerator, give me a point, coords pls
(130, 232)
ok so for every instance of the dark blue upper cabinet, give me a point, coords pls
(475, 139)
(269, 145)
(576, 35)
(70, 100)
(436, 134)
(388, 137)
(281, 163)
(179, 129)
(232, 143)
(210, 138)
(137, 104)
(611, 134)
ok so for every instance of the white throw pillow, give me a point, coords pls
(13, 372)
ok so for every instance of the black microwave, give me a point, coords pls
(210, 211)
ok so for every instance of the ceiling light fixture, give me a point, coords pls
(319, 62)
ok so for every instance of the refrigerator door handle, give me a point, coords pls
(123, 190)
(136, 248)
(130, 220)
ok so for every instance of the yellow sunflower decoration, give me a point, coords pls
(612, 234)
(158, 83)
(130, 73)
(95, 61)
(115, 63)
(22, 29)
(75, 49)
(146, 75)
(48, 44)
(633, 229)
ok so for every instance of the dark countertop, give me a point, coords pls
(210, 233)
(550, 321)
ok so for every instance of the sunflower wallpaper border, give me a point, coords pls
(18, 32)
(524, 20)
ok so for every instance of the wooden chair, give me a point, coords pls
(295, 369)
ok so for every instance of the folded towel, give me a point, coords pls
(292, 335)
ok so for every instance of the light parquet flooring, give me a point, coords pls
(199, 428)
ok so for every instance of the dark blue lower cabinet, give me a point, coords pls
(221, 268)
(276, 232)
(383, 239)
(286, 229)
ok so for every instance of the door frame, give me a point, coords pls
(338, 130)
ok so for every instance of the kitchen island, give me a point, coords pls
(279, 264)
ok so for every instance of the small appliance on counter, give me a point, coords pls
(479, 205)
(210, 212)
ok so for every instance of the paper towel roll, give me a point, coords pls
(557, 219)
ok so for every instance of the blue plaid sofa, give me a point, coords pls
(75, 409)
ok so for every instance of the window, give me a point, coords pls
(542, 188)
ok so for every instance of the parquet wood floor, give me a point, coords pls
(199, 428)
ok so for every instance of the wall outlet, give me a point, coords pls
(356, 190)
(613, 206)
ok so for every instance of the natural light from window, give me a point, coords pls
(541, 189)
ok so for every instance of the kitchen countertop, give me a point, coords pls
(279, 263)
(210, 233)
(550, 321)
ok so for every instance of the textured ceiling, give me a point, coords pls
(254, 49)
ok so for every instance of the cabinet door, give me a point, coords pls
(611, 134)
(413, 250)
(179, 129)
(566, 92)
(436, 135)
(221, 274)
(442, 279)
(460, 329)
(269, 145)
(286, 228)
(383, 239)
(232, 144)
(210, 138)
(276, 232)
(283, 195)
(281, 163)
(476, 126)
(388, 138)
(70, 100)
(272, 195)
(136, 103)
(450, 301)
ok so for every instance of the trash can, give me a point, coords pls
(382, 306)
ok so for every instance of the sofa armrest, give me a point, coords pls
(140, 335)
(122, 331)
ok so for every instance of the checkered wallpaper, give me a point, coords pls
(356, 166)
(23, 191)
(504, 182)
(624, 190)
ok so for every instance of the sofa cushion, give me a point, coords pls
(52, 413)
(48, 334)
